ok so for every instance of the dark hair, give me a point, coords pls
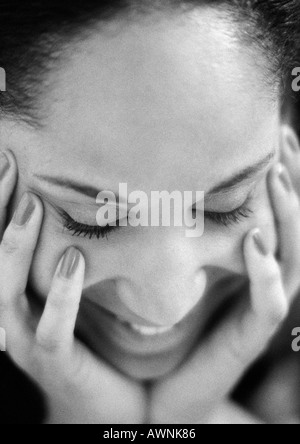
(33, 34)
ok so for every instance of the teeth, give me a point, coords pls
(146, 331)
(150, 331)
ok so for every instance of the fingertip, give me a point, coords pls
(39, 207)
(274, 178)
(71, 264)
(29, 212)
(289, 141)
(281, 185)
(8, 176)
(259, 257)
(57, 324)
(256, 245)
(12, 163)
(268, 295)
(82, 263)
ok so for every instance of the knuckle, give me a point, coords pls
(10, 246)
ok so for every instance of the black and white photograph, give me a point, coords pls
(149, 214)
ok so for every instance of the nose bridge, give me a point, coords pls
(167, 280)
(173, 259)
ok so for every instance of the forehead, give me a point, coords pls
(159, 102)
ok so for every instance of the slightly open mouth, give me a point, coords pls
(150, 331)
(142, 330)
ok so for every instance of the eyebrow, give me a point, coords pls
(83, 189)
(246, 174)
(224, 186)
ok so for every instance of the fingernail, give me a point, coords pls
(294, 145)
(24, 211)
(260, 243)
(292, 141)
(4, 166)
(70, 263)
(285, 179)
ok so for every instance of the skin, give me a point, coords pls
(128, 106)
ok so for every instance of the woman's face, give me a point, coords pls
(160, 104)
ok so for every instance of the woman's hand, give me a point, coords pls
(79, 388)
(203, 385)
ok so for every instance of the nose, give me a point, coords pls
(168, 281)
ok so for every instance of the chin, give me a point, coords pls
(147, 368)
(139, 356)
(143, 363)
(142, 354)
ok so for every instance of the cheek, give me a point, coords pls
(226, 245)
(102, 258)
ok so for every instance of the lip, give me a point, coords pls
(110, 332)
(150, 357)
(108, 323)
(112, 303)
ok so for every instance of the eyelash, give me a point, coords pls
(230, 218)
(82, 230)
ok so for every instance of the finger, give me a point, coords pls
(290, 154)
(17, 249)
(223, 359)
(8, 178)
(246, 336)
(287, 213)
(56, 327)
(269, 303)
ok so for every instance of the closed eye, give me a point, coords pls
(88, 231)
(232, 217)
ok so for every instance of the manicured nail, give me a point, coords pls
(24, 211)
(260, 243)
(292, 141)
(285, 179)
(4, 165)
(70, 263)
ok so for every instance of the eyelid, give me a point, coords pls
(83, 230)
(233, 216)
(251, 193)
(246, 201)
